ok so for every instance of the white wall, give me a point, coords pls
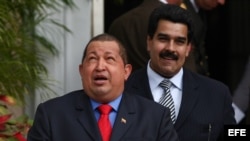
(84, 22)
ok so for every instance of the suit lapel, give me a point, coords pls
(140, 84)
(124, 118)
(189, 95)
(189, 98)
(86, 117)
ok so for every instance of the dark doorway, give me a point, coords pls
(115, 8)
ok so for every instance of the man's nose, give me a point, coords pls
(171, 45)
(100, 65)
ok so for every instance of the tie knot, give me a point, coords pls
(165, 84)
(104, 109)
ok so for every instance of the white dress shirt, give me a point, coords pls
(175, 89)
(238, 114)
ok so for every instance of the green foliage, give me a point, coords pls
(11, 128)
(22, 49)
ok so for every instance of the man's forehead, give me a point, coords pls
(103, 46)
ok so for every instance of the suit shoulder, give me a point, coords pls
(64, 99)
(131, 14)
(138, 74)
(205, 80)
(146, 103)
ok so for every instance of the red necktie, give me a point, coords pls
(104, 123)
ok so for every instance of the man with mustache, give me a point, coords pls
(131, 29)
(76, 115)
(202, 106)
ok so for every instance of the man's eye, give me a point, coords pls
(110, 58)
(180, 42)
(92, 58)
(163, 39)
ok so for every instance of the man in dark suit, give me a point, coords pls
(75, 116)
(202, 105)
(131, 29)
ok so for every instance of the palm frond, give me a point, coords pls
(22, 48)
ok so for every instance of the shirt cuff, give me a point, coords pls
(238, 113)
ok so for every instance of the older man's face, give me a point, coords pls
(103, 71)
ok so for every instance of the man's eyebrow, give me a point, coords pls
(182, 38)
(166, 35)
(162, 34)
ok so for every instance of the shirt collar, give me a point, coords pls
(155, 78)
(114, 104)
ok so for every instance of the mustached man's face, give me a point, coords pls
(168, 48)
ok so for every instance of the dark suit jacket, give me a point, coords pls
(205, 107)
(71, 118)
(131, 30)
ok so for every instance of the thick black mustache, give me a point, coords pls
(168, 54)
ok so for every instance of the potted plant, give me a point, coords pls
(23, 50)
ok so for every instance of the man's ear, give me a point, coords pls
(189, 49)
(80, 69)
(128, 70)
